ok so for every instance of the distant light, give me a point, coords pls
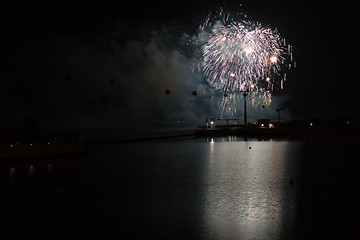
(232, 75)
(268, 79)
(30, 144)
(273, 59)
(311, 124)
(252, 85)
(211, 122)
(262, 124)
(11, 145)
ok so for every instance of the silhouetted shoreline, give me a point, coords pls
(278, 132)
(291, 129)
(78, 141)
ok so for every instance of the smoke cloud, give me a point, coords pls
(111, 80)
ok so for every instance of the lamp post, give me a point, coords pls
(245, 93)
(245, 114)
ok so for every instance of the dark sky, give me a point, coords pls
(78, 63)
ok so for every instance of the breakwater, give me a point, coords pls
(133, 137)
(80, 142)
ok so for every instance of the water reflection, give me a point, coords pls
(30, 193)
(247, 192)
(224, 139)
(235, 139)
(178, 190)
(11, 189)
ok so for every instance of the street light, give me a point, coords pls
(245, 93)
(245, 113)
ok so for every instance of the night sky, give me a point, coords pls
(106, 64)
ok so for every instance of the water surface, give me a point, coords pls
(223, 188)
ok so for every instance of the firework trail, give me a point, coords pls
(242, 56)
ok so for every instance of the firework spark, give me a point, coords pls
(242, 56)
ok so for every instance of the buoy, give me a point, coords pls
(112, 82)
(167, 91)
(194, 93)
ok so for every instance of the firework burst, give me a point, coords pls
(242, 56)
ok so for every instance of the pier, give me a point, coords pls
(55, 146)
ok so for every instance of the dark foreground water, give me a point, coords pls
(188, 189)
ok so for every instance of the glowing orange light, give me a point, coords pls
(268, 79)
(252, 85)
(232, 75)
(273, 59)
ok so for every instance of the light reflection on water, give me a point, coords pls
(186, 190)
(247, 191)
